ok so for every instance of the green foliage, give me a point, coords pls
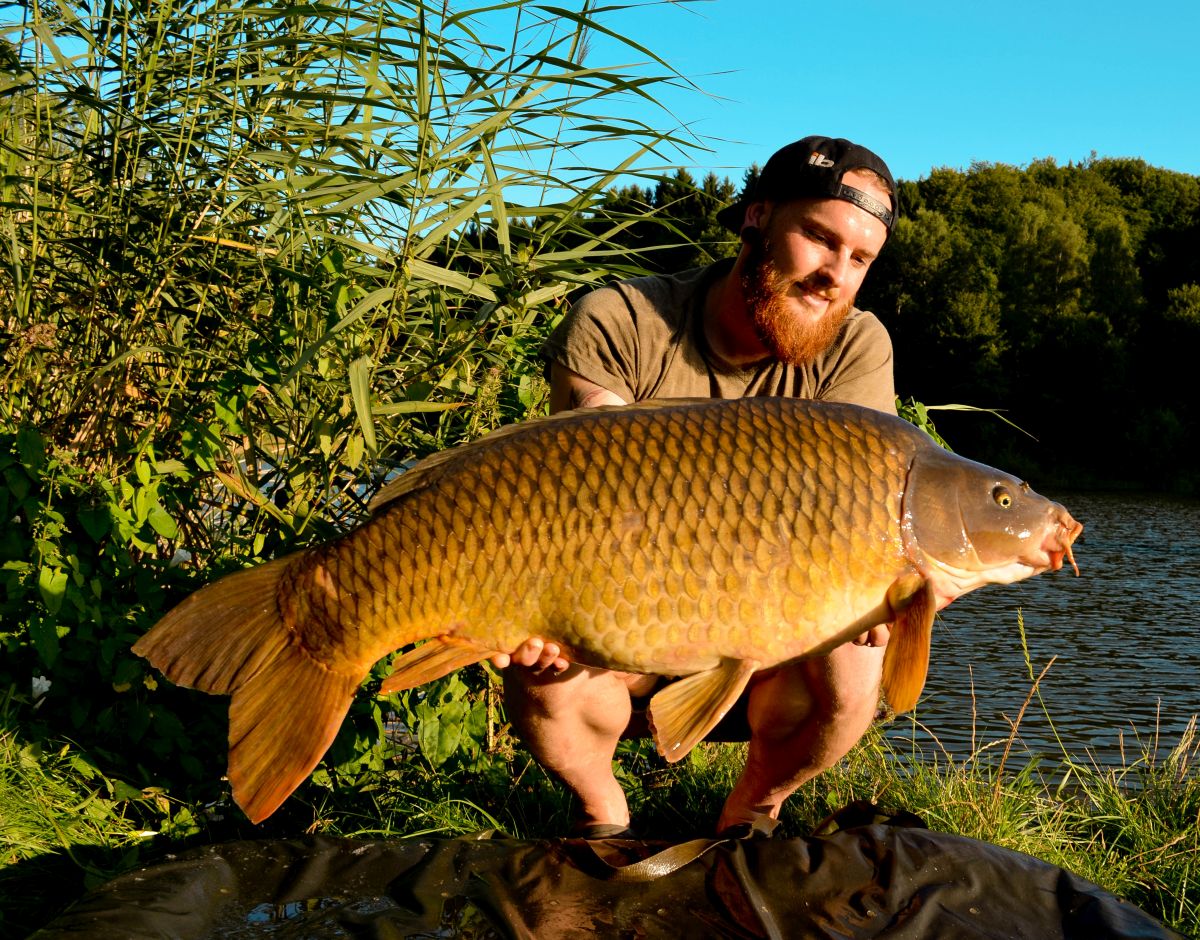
(83, 570)
(251, 260)
(447, 721)
(66, 828)
(917, 413)
(1049, 291)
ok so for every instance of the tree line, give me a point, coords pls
(1066, 298)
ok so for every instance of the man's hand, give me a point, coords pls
(534, 653)
(876, 636)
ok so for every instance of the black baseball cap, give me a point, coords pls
(810, 167)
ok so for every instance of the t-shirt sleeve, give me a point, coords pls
(598, 340)
(863, 372)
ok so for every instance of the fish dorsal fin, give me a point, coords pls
(424, 472)
(685, 711)
(906, 659)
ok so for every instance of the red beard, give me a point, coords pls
(787, 337)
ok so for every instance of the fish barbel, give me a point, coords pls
(706, 539)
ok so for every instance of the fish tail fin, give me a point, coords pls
(271, 750)
(432, 660)
(229, 638)
(223, 635)
(906, 658)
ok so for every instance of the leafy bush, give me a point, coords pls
(252, 258)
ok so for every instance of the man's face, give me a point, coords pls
(803, 271)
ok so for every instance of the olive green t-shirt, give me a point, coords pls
(644, 338)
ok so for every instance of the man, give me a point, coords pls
(776, 320)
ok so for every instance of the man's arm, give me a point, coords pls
(571, 390)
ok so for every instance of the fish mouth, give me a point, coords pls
(1059, 539)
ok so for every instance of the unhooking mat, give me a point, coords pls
(861, 877)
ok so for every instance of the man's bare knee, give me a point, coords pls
(571, 723)
(557, 709)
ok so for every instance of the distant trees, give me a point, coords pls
(1068, 296)
(1062, 294)
(675, 222)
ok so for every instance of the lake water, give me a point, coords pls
(1126, 634)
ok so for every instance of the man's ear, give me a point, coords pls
(757, 216)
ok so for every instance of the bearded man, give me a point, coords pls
(779, 319)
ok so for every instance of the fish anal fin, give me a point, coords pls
(272, 750)
(906, 659)
(682, 713)
(432, 660)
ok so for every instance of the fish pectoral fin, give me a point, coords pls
(432, 660)
(906, 659)
(682, 713)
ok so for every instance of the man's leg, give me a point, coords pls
(803, 718)
(571, 722)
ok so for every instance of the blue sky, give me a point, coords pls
(930, 84)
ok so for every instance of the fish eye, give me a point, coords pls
(1002, 497)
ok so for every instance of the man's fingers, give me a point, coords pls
(534, 653)
(876, 636)
(551, 658)
(529, 652)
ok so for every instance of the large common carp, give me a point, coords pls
(705, 539)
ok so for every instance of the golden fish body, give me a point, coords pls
(706, 539)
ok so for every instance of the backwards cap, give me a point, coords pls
(810, 167)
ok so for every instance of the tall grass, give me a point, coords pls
(251, 257)
(261, 237)
(63, 828)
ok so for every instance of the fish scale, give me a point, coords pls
(724, 528)
(702, 539)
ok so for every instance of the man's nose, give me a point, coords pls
(834, 268)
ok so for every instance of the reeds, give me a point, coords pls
(254, 257)
(279, 241)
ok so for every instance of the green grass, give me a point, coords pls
(1132, 830)
(63, 829)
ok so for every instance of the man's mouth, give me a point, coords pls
(818, 295)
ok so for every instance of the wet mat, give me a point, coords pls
(867, 879)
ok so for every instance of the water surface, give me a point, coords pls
(1126, 635)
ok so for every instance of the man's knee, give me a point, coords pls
(578, 701)
(828, 701)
